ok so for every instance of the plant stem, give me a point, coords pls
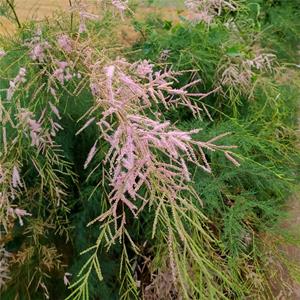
(70, 3)
(12, 7)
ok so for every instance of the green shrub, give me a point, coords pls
(190, 239)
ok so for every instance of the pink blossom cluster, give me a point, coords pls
(145, 151)
(66, 278)
(62, 72)
(40, 137)
(236, 75)
(134, 162)
(120, 5)
(16, 179)
(27, 120)
(37, 47)
(13, 84)
(55, 128)
(2, 53)
(18, 213)
(146, 88)
(144, 68)
(262, 62)
(10, 178)
(239, 71)
(203, 16)
(65, 43)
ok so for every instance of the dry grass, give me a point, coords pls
(34, 9)
(39, 9)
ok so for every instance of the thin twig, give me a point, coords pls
(72, 15)
(12, 7)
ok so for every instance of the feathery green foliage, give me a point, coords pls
(205, 245)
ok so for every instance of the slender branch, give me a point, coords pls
(72, 15)
(12, 7)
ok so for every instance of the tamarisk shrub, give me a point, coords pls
(144, 168)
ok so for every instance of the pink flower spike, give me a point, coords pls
(91, 155)
(144, 68)
(16, 180)
(55, 110)
(37, 53)
(53, 92)
(82, 27)
(65, 43)
(66, 279)
(14, 84)
(62, 64)
(109, 71)
(87, 124)
(2, 53)
(230, 158)
(21, 213)
(121, 5)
